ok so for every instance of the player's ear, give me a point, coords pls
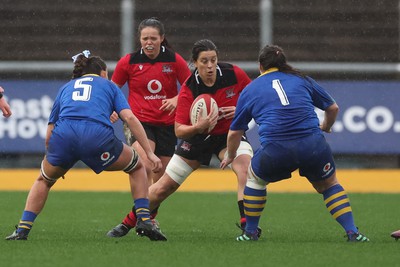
(261, 68)
(104, 74)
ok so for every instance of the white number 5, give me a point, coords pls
(84, 94)
(276, 84)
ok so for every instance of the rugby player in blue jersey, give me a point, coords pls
(79, 128)
(282, 102)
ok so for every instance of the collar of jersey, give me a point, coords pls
(90, 74)
(269, 71)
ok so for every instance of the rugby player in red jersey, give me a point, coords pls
(224, 82)
(152, 74)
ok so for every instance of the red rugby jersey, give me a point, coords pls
(231, 80)
(151, 81)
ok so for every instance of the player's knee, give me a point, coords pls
(253, 181)
(133, 163)
(46, 178)
(244, 153)
(323, 185)
(244, 149)
(240, 166)
(178, 169)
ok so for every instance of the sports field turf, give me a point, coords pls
(201, 231)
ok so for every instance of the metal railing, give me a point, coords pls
(266, 36)
(248, 66)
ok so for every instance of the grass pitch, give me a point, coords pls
(201, 231)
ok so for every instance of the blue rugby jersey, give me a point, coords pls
(89, 97)
(282, 105)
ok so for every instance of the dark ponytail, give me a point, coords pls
(272, 56)
(90, 65)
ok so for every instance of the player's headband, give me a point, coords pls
(86, 53)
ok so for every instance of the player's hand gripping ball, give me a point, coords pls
(205, 103)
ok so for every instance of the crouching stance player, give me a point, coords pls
(224, 82)
(281, 101)
(80, 129)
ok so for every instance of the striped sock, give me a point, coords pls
(254, 202)
(26, 222)
(338, 205)
(142, 209)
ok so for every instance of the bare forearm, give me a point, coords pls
(186, 131)
(138, 132)
(136, 129)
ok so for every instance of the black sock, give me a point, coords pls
(241, 208)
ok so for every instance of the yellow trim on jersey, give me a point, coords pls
(258, 198)
(252, 213)
(341, 212)
(339, 194)
(269, 71)
(257, 206)
(90, 74)
(336, 204)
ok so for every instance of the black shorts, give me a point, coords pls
(202, 147)
(163, 136)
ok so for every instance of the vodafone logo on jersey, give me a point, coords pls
(154, 86)
(327, 169)
(105, 156)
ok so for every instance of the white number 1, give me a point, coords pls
(84, 94)
(276, 84)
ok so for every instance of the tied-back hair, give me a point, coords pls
(201, 46)
(90, 65)
(154, 23)
(272, 56)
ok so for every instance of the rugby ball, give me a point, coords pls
(205, 103)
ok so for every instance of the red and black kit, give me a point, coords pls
(150, 81)
(231, 80)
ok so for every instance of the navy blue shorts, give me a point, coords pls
(93, 143)
(276, 160)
